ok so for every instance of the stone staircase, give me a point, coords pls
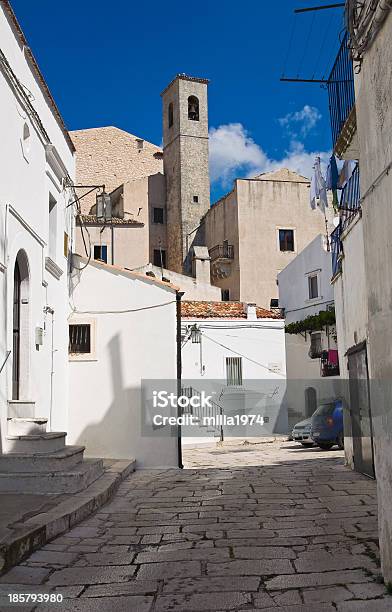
(35, 460)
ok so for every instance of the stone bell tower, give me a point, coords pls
(185, 163)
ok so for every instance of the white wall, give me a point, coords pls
(261, 345)
(28, 174)
(302, 371)
(105, 411)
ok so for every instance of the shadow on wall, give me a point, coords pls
(116, 431)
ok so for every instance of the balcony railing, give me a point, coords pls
(350, 199)
(341, 89)
(336, 250)
(222, 251)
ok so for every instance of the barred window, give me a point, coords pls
(79, 338)
(234, 371)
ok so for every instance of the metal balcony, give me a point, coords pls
(222, 252)
(350, 201)
(336, 250)
(341, 94)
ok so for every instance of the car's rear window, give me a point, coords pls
(324, 410)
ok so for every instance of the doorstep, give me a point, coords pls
(37, 519)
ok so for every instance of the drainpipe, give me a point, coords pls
(179, 295)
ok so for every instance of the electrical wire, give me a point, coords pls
(327, 29)
(293, 28)
(306, 44)
(127, 310)
(244, 356)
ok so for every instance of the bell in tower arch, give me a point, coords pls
(193, 108)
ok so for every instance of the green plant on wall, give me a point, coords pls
(325, 318)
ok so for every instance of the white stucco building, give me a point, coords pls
(305, 290)
(36, 169)
(236, 351)
(123, 329)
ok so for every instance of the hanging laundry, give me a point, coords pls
(346, 172)
(318, 189)
(332, 180)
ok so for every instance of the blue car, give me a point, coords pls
(327, 425)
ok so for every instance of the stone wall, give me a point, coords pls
(112, 156)
(185, 167)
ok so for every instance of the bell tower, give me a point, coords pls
(185, 163)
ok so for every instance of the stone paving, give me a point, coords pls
(245, 527)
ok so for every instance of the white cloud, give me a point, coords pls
(303, 120)
(234, 153)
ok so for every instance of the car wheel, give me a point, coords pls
(325, 445)
(307, 444)
(341, 442)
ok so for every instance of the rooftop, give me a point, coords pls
(222, 310)
(185, 77)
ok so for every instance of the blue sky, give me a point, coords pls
(106, 64)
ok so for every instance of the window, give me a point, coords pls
(79, 339)
(313, 286)
(158, 215)
(234, 371)
(193, 108)
(274, 303)
(170, 114)
(52, 227)
(196, 199)
(286, 240)
(159, 258)
(225, 295)
(101, 252)
(316, 348)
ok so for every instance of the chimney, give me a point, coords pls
(250, 310)
(201, 265)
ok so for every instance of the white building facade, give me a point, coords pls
(235, 351)
(37, 167)
(305, 290)
(123, 329)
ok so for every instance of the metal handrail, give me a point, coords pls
(222, 251)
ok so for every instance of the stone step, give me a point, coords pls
(20, 408)
(40, 444)
(65, 459)
(68, 481)
(25, 426)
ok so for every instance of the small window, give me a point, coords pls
(313, 286)
(234, 371)
(101, 252)
(225, 295)
(274, 303)
(195, 199)
(286, 240)
(158, 215)
(316, 347)
(159, 258)
(193, 108)
(170, 114)
(79, 339)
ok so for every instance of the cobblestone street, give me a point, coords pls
(244, 527)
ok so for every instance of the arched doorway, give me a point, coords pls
(20, 328)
